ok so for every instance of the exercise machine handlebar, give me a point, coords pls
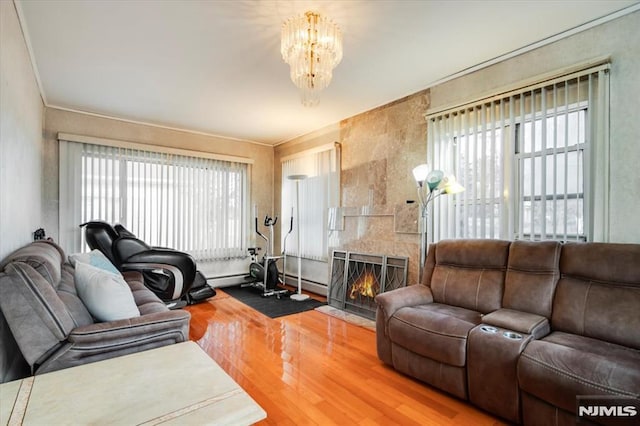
(266, 271)
(260, 233)
(269, 221)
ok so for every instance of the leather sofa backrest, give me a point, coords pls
(598, 294)
(37, 317)
(49, 260)
(39, 299)
(44, 256)
(532, 275)
(467, 273)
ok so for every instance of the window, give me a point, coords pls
(533, 162)
(192, 204)
(551, 177)
(317, 192)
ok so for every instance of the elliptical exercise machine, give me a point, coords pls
(265, 272)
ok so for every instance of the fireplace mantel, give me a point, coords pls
(405, 216)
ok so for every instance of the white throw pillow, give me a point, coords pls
(106, 295)
(94, 258)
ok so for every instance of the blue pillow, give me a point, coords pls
(96, 259)
(106, 296)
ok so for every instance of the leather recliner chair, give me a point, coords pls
(170, 274)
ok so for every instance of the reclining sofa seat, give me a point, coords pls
(54, 329)
(422, 329)
(594, 346)
(533, 271)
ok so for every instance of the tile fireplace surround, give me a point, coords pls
(374, 230)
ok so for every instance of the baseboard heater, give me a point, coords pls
(292, 280)
(227, 280)
(308, 285)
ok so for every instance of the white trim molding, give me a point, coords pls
(147, 147)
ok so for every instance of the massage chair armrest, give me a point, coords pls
(413, 295)
(137, 329)
(161, 257)
(160, 265)
(126, 247)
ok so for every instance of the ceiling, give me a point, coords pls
(215, 66)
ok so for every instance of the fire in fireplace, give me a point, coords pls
(356, 279)
(366, 286)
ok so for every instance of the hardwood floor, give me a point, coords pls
(311, 368)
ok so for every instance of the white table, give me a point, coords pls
(176, 384)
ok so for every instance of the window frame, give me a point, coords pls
(558, 94)
(520, 156)
(125, 163)
(331, 179)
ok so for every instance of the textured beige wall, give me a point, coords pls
(87, 125)
(379, 149)
(618, 39)
(21, 120)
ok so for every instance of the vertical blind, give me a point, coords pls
(318, 192)
(534, 162)
(192, 204)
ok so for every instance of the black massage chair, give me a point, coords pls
(170, 274)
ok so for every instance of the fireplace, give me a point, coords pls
(356, 279)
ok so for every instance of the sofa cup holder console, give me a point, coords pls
(512, 335)
(508, 334)
(488, 329)
(499, 397)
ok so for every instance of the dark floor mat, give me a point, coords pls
(270, 306)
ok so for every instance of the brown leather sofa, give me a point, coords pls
(519, 329)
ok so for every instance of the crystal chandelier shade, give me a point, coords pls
(312, 46)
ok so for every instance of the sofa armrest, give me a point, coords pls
(135, 276)
(522, 322)
(126, 331)
(412, 295)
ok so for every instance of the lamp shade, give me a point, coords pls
(454, 188)
(450, 185)
(434, 178)
(420, 173)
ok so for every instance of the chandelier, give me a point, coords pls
(312, 46)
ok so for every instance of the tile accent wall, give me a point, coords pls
(379, 149)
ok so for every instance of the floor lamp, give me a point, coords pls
(298, 296)
(431, 184)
